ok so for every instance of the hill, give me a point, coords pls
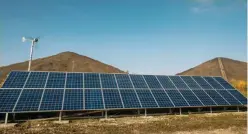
(62, 62)
(234, 70)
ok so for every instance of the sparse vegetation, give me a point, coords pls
(196, 123)
(241, 85)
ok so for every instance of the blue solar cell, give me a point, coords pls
(74, 80)
(8, 98)
(130, 99)
(178, 82)
(224, 83)
(190, 82)
(73, 99)
(138, 81)
(216, 97)
(29, 100)
(213, 83)
(112, 98)
(15, 80)
(108, 81)
(152, 81)
(56, 80)
(176, 98)
(166, 82)
(146, 98)
(91, 80)
(36, 80)
(229, 97)
(162, 98)
(52, 99)
(190, 97)
(202, 82)
(93, 99)
(205, 99)
(123, 81)
(239, 96)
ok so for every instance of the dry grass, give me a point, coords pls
(197, 123)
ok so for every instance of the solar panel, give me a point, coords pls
(56, 80)
(52, 100)
(213, 83)
(205, 99)
(8, 98)
(112, 98)
(190, 82)
(216, 97)
(93, 99)
(229, 97)
(56, 91)
(15, 79)
(108, 81)
(162, 98)
(138, 81)
(91, 80)
(224, 83)
(166, 82)
(73, 99)
(152, 81)
(238, 96)
(74, 80)
(123, 81)
(178, 82)
(177, 98)
(29, 100)
(202, 82)
(190, 97)
(36, 80)
(146, 98)
(130, 99)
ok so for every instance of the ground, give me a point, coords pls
(216, 123)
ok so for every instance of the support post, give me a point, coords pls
(102, 113)
(238, 108)
(211, 110)
(13, 117)
(138, 112)
(225, 108)
(199, 109)
(145, 112)
(6, 118)
(170, 111)
(60, 115)
(106, 114)
(180, 110)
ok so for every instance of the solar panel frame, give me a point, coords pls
(73, 99)
(229, 97)
(93, 99)
(36, 80)
(123, 81)
(211, 81)
(165, 82)
(75, 80)
(239, 96)
(138, 81)
(92, 80)
(223, 83)
(146, 98)
(178, 82)
(152, 82)
(202, 82)
(108, 81)
(129, 98)
(119, 91)
(18, 79)
(10, 96)
(52, 100)
(56, 80)
(135, 91)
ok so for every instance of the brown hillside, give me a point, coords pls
(235, 70)
(62, 62)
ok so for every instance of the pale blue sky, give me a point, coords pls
(142, 36)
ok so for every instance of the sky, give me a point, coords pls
(141, 36)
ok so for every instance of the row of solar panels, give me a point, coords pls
(18, 79)
(34, 100)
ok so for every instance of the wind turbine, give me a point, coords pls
(33, 42)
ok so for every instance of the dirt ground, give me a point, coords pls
(216, 123)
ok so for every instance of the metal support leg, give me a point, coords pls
(6, 118)
(180, 110)
(170, 111)
(211, 110)
(106, 114)
(138, 112)
(14, 117)
(60, 115)
(102, 113)
(145, 112)
(238, 108)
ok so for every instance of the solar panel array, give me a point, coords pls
(64, 91)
